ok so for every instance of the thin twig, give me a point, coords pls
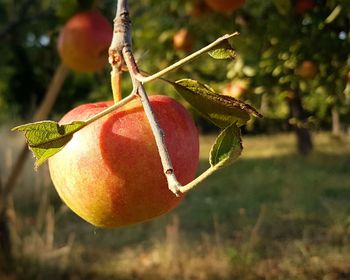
(112, 108)
(199, 179)
(185, 60)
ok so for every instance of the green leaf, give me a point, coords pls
(220, 109)
(223, 51)
(47, 138)
(227, 147)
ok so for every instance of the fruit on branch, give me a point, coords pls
(307, 69)
(84, 41)
(225, 6)
(110, 173)
(182, 40)
(303, 6)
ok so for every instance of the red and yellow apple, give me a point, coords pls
(225, 6)
(110, 173)
(84, 40)
(307, 69)
(182, 40)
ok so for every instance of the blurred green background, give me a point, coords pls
(281, 212)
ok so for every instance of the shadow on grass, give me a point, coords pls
(276, 209)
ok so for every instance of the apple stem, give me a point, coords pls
(41, 113)
(116, 82)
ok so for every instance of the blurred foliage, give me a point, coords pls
(277, 36)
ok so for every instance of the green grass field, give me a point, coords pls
(272, 215)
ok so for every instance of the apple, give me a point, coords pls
(235, 89)
(225, 6)
(307, 69)
(84, 40)
(182, 40)
(198, 9)
(303, 6)
(110, 173)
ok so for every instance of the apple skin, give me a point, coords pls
(182, 40)
(110, 173)
(225, 6)
(84, 40)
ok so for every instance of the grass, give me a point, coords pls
(272, 215)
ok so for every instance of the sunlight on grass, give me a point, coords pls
(265, 146)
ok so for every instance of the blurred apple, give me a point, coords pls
(199, 9)
(84, 41)
(235, 89)
(307, 69)
(303, 6)
(225, 6)
(182, 40)
(110, 173)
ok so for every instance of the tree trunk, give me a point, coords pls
(6, 259)
(299, 117)
(304, 140)
(336, 127)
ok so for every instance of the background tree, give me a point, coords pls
(276, 38)
(292, 57)
(301, 54)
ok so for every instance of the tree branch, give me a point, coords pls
(168, 169)
(120, 52)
